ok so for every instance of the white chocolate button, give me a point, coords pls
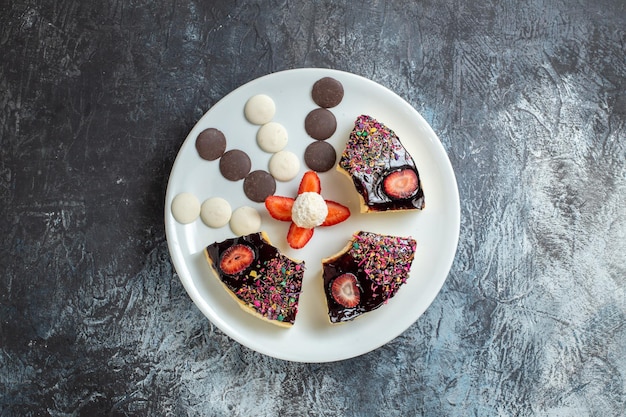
(215, 212)
(284, 165)
(245, 220)
(272, 137)
(259, 109)
(185, 208)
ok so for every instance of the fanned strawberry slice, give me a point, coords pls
(298, 237)
(310, 183)
(279, 207)
(336, 213)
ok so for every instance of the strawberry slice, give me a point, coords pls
(279, 207)
(345, 291)
(298, 237)
(236, 258)
(310, 183)
(336, 213)
(401, 184)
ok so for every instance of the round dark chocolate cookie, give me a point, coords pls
(235, 165)
(327, 92)
(320, 156)
(320, 124)
(258, 185)
(211, 144)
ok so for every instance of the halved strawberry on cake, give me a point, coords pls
(381, 168)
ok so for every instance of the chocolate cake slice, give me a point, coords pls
(382, 170)
(365, 274)
(264, 282)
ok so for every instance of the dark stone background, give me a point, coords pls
(528, 98)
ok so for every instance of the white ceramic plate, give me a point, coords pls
(313, 338)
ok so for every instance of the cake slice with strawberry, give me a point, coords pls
(382, 170)
(365, 274)
(264, 282)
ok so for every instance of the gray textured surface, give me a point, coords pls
(528, 99)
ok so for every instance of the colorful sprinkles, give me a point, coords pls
(373, 152)
(270, 286)
(382, 144)
(381, 264)
(385, 260)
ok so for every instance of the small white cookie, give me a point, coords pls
(245, 220)
(215, 212)
(259, 109)
(185, 208)
(284, 165)
(272, 137)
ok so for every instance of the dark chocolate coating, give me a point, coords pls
(327, 92)
(320, 156)
(258, 185)
(211, 144)
(320, 124)
(235, 165)
(372, 155)
(373, 294)
(375, 196)
(338, 266)
(264, 253)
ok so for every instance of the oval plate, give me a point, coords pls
(436, 228)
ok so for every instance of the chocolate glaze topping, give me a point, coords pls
(372, 153)
(270, 286)
(381, 265)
